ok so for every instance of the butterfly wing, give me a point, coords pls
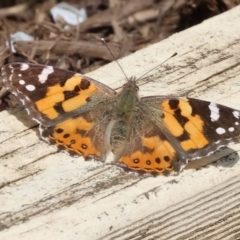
(62, 103)
(177, 130)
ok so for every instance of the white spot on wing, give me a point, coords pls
(24, 66)
(11, 67)
(21, 82)
(214, 112)
(236, 114)
(19, 74)
(236, 123)
(231, 129)
(28, 112)
(220, 130)
(42, 78)
(30, 88)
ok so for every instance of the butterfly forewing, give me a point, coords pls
(51, 93)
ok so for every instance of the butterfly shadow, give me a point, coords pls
(20, 114)
(225, 157)
(10, 103)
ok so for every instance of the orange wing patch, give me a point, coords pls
(180, 120)
(72, 134)
(157, 156)
(72, 95)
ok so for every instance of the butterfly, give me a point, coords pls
(155, 134)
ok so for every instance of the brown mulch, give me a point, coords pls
(126, 25)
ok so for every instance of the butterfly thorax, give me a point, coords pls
(127, 101)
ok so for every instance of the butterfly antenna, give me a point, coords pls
(104, 42)
(157, 66)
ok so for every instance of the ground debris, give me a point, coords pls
(127, 26)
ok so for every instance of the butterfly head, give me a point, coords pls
(131, 85)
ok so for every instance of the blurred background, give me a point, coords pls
(68, 34)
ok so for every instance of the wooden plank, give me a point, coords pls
(47, 194)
